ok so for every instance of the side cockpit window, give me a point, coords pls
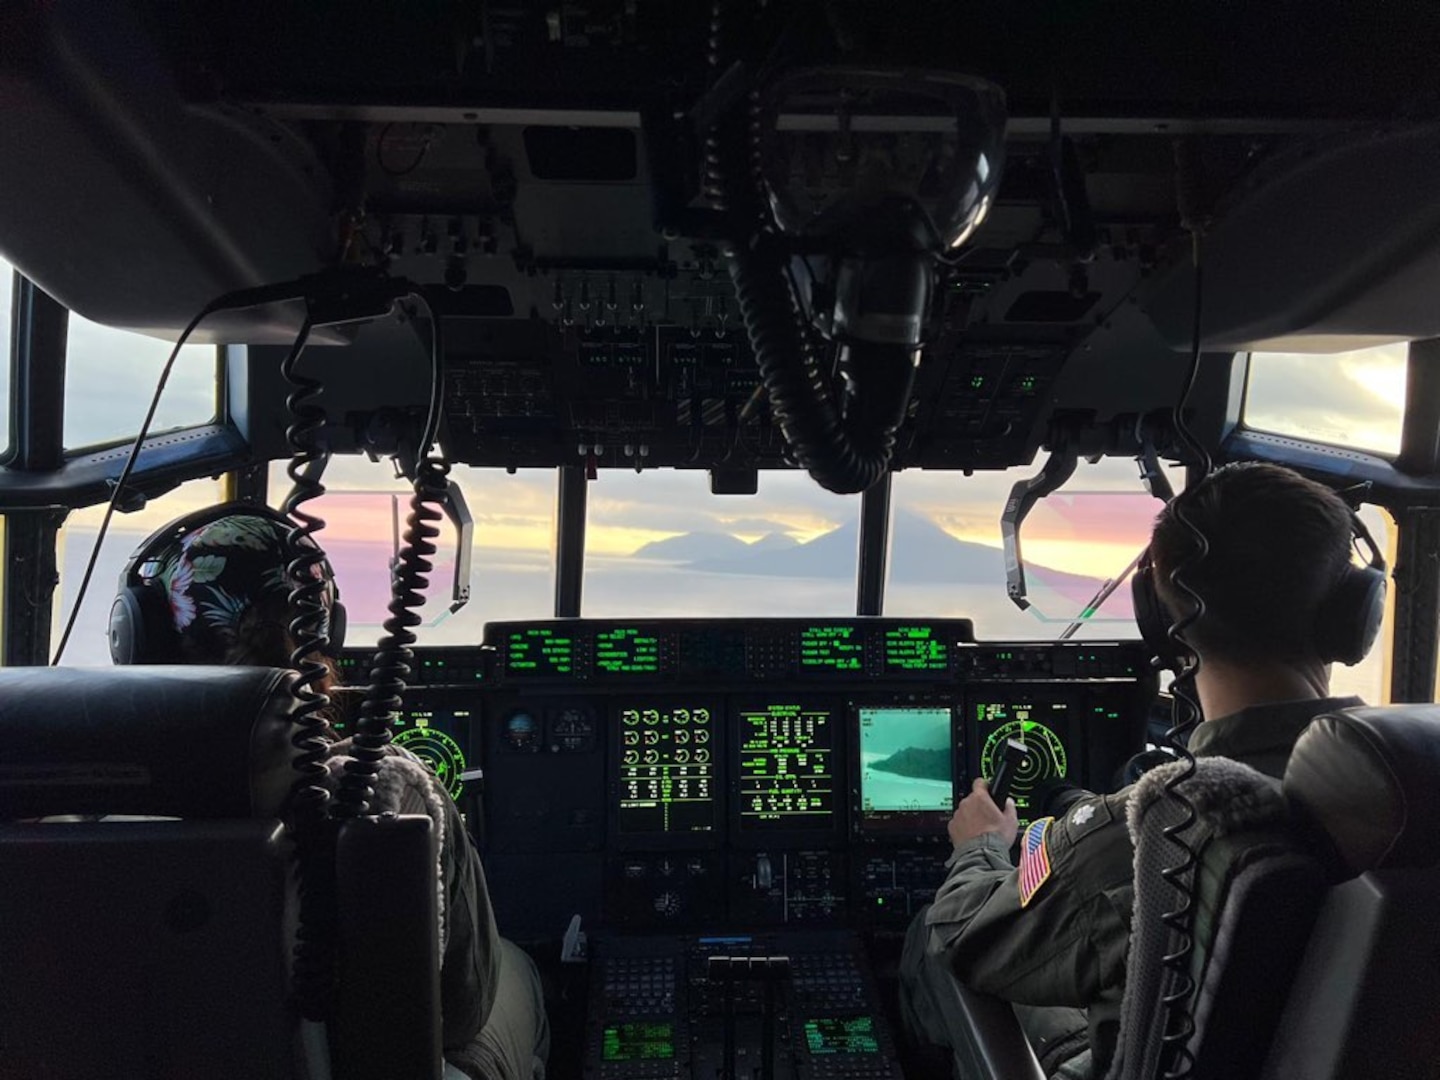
(1354, 399)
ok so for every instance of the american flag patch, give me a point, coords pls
(1034, 860)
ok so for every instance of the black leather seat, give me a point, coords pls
(161, 948)
(1313, 945)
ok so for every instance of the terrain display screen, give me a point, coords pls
(785, 767)
(1044, 728)
(906, 763)
(637, 1042)
(667, 775)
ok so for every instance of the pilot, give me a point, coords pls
(1051, 935)
(224, 584)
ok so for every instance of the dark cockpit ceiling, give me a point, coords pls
(537, 159)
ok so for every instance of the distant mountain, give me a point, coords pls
(921, 553)
(695, 547)
(773, 542)
(918, 763)
(701, 546)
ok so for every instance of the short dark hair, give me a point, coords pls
(1277, 544)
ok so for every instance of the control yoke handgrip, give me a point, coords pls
(1010, 762)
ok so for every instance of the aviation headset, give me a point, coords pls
(142, 627)
(1346, 625)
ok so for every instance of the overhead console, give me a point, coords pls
(703, 773)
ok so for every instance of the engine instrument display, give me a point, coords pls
(434, 735)
(540, 651)
(907, 771)
(786, 775)
(667, 770)
(1043, 727)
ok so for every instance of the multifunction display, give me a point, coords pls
(906, 763)
(910, 649)
(435, 736)
(841, 1035)
(786, 775)
(624, 650)
(832, 648)
(725, 651)
(637, 1042)
(667, 776)
(1044, 730)
(540, 651)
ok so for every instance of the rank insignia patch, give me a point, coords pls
(1034, 860)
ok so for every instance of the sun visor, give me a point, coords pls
(1315, 245)
(140, 206)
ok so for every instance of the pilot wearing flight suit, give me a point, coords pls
(1053, 932)
(224, 582)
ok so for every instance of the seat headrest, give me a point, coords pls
(1369, 779)
(195, 742)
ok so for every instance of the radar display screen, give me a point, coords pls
(666, 771)
(437, 736)
(906, 764)
(831, 648)
(786, 777)
(1044, 728)
(539, 652)
(841, 1035)
(911, 649)
(627, 651)
(637, 1042)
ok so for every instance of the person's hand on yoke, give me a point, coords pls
(977, 814)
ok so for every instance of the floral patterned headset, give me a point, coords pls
(196, 578)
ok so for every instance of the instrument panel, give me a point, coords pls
(665, 774)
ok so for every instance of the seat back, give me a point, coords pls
(1313, 942)
(161, 948)
(1365, 783)
(145, 947)
(1252, 895)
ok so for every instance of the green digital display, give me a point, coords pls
(915, 648)
(786, 768)
(831, 648)
(626, 651)
(666, 771)
(637, 1042)
(541, 651)
(1042, 727)
(841, 1035)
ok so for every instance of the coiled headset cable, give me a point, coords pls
(391, 665)
(1176, 1061)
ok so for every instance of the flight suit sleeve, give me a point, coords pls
(1067, 945)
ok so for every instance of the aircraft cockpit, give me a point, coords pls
(735, 429)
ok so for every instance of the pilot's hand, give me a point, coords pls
(977, 814)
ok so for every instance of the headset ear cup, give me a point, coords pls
(1151, 617)
(338, 624)
(126, 627)
(141, 630)
(1349, 621)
